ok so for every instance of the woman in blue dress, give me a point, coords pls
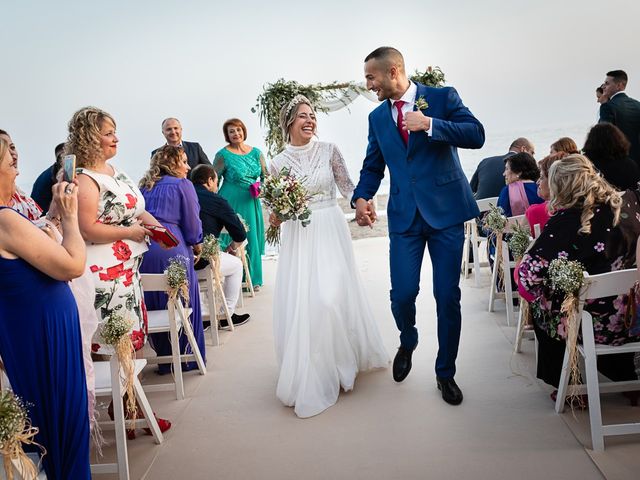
(171, 198)
(40, 342)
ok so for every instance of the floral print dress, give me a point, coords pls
(599, 252)
(115, 266)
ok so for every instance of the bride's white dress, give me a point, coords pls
(324, 328)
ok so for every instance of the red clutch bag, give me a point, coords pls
(162, 235)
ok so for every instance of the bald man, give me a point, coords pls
(172, 131)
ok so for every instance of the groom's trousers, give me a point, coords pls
(406, 252)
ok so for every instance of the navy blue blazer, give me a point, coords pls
(624, 112)
(425, 174)
(195, 154)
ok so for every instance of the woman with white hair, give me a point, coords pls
(324, 329)
(584, 226)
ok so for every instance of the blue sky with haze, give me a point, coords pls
(520, 66)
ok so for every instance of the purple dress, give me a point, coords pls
(174, 203)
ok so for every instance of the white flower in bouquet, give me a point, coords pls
(286, 196)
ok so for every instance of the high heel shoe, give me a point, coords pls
(162, 423)
(131, 432)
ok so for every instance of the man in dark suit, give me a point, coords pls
(621, 110)
(172, 131)
(415, 132)
(488, 179)
(216, 214)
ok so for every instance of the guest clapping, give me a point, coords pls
(585, 228)
(520, 174)
(171, 199)
(608, 149)
(241, 167)
(40, 340)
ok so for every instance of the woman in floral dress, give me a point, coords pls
(111, 212)
(240, 167)
(584, 227)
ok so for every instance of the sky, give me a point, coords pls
(522, 67)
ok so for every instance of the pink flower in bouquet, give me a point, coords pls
(254, 189)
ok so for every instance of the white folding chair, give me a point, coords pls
(110, 382)
(599, 286)
(171, 320)
(505, 264)
(248, 283)
(472, 241)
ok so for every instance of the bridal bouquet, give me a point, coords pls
(288, 199)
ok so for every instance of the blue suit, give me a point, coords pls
(430, 199)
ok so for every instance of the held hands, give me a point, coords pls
(416, 121)
(365, 213)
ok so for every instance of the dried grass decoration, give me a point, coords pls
(115, 332)
(567, 277)
(177, 278)
(518, 245)
(16, 429)
(496, 223)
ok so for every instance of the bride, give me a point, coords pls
(324, 328)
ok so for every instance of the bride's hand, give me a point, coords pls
(274, 221)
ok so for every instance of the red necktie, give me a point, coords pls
(403, 133)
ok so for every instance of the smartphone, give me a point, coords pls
(69, 168)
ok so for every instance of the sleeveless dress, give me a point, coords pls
(324, 329)
(238, 173)
(115, 266)
(40, 345)
(174, 203)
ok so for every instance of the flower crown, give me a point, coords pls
(294, 102)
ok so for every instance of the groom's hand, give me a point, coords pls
(416, 121)
(365, 213)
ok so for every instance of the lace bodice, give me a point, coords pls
(321, 165)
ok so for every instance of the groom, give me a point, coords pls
(415, 133)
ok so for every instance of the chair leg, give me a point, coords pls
(494, 280)
(476, 254)
(186, 326)
(506, 275)
(148, 412)
(517, 348)
(175, 354)
(119, 421)
(247, 275)
(223, 300)
(564, 383)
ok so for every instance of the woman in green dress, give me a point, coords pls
(241, 169)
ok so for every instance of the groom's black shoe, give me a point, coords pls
(451, 393)
(402, 364)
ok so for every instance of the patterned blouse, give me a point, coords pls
(599, 252)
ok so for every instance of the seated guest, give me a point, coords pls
(41, 191)
(487, 181)
(564, 144)
(608, 149)
(520, 174)
(538, 213)
(40, 342)
(170, 197)
(216, 214)
(584, 227)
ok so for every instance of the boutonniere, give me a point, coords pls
(421, 103)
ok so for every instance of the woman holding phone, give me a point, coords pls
(111, 211)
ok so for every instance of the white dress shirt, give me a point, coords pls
(409, 99)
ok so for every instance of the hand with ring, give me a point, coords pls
(65, 200)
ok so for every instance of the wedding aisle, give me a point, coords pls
(231, 426)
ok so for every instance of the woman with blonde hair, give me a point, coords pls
(583, 227)
(171, 198)
(111, 214)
